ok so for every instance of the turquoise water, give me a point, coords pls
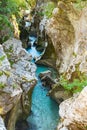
(44, 111)
(33, 50)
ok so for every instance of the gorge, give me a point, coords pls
(43, 65)
(44, 111)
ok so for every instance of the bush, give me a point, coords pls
(80, 4)
(7, 9)
(74, 86)
(48, 9)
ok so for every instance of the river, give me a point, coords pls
(44, 110)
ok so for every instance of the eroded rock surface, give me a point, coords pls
(10, 91)
(68, 33)
(73, 112)
(17, 80)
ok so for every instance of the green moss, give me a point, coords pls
(11, 62)
(74, 54)
(2, 85)
(10, 49)
(2, 58)
(15, 86)
(80, 4)
(8, 54)
(1, 73)
(7, 73)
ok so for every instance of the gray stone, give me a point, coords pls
(73, 112)
(45, 73)
(2, 125)
(17, 78)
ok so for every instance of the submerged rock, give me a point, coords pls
(73, 112)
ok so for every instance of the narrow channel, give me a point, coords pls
(44, 111)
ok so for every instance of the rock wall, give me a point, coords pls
(61, 32)
(68, 33)
(17, 80)
(73, 112)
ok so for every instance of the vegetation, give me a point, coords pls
(74, 86)
(2, 85)
(48, 9)
(8, 8)
(1, 59)
(80, 4)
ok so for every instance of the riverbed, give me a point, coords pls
(44, 110)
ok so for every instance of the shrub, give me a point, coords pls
(7, 9)
(75, 86)
(48, 9)
(80, 4)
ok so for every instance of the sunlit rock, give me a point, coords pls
(10, 92)
(73, 112)
(68, 33)
(2, 125)
(17, 80)
(61, 33)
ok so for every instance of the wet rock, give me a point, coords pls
(58, 93)
(46, 78)
(48, 56)
(22, 125)
(29, 44)
(47, 81)
(73, 112)
(45, 73)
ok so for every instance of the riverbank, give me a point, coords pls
(17, 80)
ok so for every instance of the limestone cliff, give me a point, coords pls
(73, 112)
(68, 33)
(17, 80)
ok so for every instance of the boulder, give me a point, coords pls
(58, 93)
(14, 50)
(45, 73)
(73, 112)
(47, 81)
(46, 78)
